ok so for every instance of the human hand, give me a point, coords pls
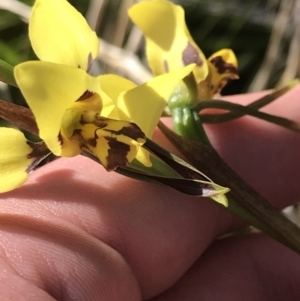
(76, 232)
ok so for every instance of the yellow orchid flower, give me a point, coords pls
(72, 112)
(143, 104)
(52, 86)
(170, 46)
(66, 48)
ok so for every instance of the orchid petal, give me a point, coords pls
(113, 85)
(144, 104)
(222, 66)
(50, 89)
(115, 143)
(14, 159)
(70, 126)
(60, 34)
(169, 43)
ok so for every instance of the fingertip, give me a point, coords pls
(251, 267)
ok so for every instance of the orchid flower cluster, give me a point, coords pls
(106, 117)
(111, 120)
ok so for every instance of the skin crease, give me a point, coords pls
(76, 232)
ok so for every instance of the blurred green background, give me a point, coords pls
(264, 34)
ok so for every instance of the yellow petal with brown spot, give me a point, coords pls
(169, 43)
(222, 67)
(50, 89)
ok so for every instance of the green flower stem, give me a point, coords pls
(7, 74)
(258, 104)
(240, 110)
(186, 122)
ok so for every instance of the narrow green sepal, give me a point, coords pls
(169, 170)
(191, 187)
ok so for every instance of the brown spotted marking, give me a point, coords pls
(127, 131)
(223, 67)
(60, 139)
(77, 133)
(132, 131)
(77, 137)
(39, 149)
(166, 66)
(87, 94)
(89, 63)
(190, 55)
(117, 153)
(98, 121)
(221, 85)
(92, 142)
(39, 153)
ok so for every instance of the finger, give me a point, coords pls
(45, 258)
(14, 287)
(150, 226)
(264, 154)
(247, 268)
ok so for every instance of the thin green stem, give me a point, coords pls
(246, 110)
(7, 74)
(258, 104)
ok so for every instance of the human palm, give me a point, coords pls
(76, 232)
